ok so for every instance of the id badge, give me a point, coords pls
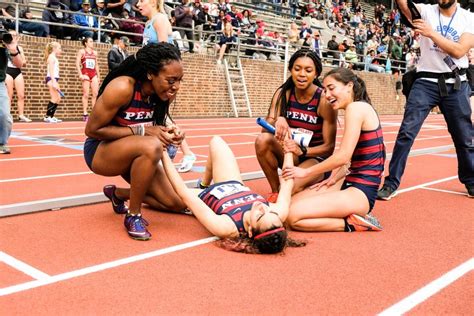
(450, 62)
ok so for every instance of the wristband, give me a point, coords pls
(138, 129)
(14, 54)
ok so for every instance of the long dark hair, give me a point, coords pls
(282, 103)
(345, 76)
(149, 59)
(273, 240)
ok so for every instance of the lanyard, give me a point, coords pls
(449, 24)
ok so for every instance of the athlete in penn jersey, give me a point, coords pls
(344, 200)
(126, 133)
(228, 209)
(298, 105)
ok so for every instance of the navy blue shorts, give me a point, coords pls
(90, 147)
(327, 174)
(369, 191)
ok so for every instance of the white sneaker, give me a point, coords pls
(48, 119)
(23, 118)
(56, 120)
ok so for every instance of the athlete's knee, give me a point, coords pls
(263, 141)
(216, 141)
(152, 148)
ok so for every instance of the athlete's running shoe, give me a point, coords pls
(359, 223)
(200, 185)
(272, 197)
(386, 193)
(117, 204)
(136, 227)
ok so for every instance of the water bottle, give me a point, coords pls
(172, 150)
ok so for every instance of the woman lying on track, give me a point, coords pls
(230, 210)
(298, 104)
(126, 132)
(343, 202)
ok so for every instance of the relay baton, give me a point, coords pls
(266, 125)
(60, 93)
(300, 138)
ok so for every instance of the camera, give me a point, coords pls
(5, 37)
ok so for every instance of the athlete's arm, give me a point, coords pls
(97, 67)
(329, 130)
(117, 94)
(218, 225)
(274, 118)
(23, 56)
(51, 62)
(282, 205)
(78, 63)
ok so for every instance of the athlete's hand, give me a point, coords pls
(294, 173)
(160, 132)
(327, 183)
(281, 128)
(290, 146)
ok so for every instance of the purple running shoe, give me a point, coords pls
(136, 227)
(117, 204)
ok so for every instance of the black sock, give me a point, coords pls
(51, 109)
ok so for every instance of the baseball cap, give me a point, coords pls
(125, 40)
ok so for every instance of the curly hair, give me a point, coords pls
(282, 103)
(149, 59)
(272, 241)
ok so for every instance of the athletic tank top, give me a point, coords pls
(136, 112)
(56, 69)
(305, 116)
(232, 199)
(150, 35)
(367, 162)
(88, 61)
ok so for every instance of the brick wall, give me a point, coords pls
(203, 92)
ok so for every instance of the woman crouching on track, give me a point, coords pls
(298, 104)
(230, 210)
(343, 202)
(124, 136)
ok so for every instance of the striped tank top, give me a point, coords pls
(367, 162)
(305, 116)
(232, 199)
(136, 112)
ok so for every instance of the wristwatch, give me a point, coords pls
(304, 150)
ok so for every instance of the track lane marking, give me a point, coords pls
(429, 290)
(23, 267)
(101, 267)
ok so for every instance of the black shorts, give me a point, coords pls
(370, 191)
(90, 147)
(327, 174)
(13, 72)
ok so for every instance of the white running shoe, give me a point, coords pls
(23, 118)
(56, 120)
(49, 119)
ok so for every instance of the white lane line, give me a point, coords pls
(23, 267)
(46, 177)
(41, 157)
(101, 267)
(49, 144)
(420, 186)
(429, 290)
(441, 190)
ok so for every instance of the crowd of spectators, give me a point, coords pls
(366, 44)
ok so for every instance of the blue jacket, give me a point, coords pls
(81, 20)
